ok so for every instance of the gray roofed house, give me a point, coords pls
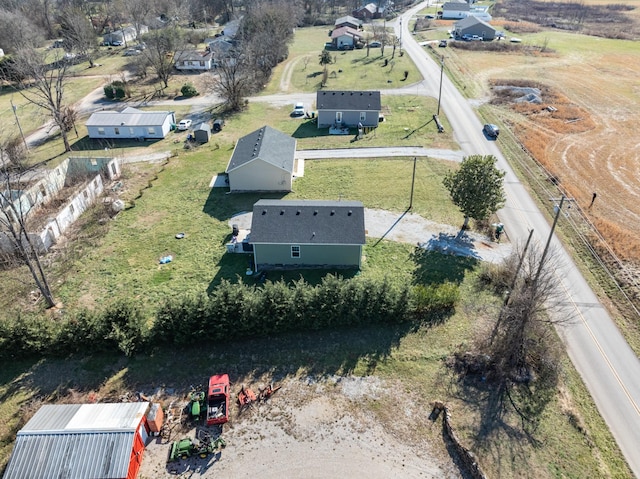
(263, 160)
(80, 441)
(348, 21)
(348, 108)
(193, 60)
(130, 123)
(474, 26)
(455, 9)
(307, 234)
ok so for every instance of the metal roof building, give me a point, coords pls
(130, 123)
(81, 441)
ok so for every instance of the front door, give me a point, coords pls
(338, 117)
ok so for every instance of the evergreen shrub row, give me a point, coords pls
(231, 311)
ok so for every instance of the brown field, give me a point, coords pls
(592, 143)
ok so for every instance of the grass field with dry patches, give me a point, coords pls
(596, 148)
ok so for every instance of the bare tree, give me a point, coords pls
(15, 241)
(519, 357)
(43, 84)
(137, 12)
(78, 33)
(17, 31)
(233, 80)
(160, 53)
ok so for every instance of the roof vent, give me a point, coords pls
(264, 212)
(350, 213)
(281, 212)
(315, 212)
(333, 212)
(298, 212)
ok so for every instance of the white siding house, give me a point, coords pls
(130, 123)
(194, 60)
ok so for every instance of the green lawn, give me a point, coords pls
(350, 70)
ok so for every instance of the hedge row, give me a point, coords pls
(232, 311)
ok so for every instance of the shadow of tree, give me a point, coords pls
(433, 267)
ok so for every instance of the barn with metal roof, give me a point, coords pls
(130, 123)
(80, 441)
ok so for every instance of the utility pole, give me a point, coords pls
(15, 113)
(546, 248)
(413, 180)
(441, 74)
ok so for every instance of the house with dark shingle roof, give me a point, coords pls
(130, 123)
(348, 108)
(263, 160)
(299, 234)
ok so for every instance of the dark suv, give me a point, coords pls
(492, 131)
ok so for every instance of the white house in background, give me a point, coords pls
(124, 35)
(455, 10)
(194, 60)
(75, 184)
(130, 123)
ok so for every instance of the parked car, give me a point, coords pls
(184, 125)
(476, 38)
(131, 52)
(429, 17)
(298, 109)
(345, 46)
(466, 37)
(443, 43)
(375, 44)
(116, 43)
(492, 131)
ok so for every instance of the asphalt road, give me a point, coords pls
(608, 366)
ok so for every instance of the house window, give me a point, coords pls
(113, 168)
(295, 251)
(100, 130)
(85, 194)
(131, 132)
(201, 63)
(72, 209)
(151, 130)
(116, 130)
(43, 191)
(338, 117)
(363, 116)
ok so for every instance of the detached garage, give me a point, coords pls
(81, 441)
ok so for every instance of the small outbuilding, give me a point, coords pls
(202, 133)
(81, 441)
(263, 160)
(302, 234)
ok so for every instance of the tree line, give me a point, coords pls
(232, 311)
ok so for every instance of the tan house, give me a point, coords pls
(263, 160)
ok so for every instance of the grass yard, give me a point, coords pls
(350, 70)
(125, 262)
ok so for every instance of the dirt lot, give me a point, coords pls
(316, 428)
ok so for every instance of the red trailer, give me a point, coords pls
(218, 399)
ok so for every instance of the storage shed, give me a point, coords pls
(80, 441)
(202, 133)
